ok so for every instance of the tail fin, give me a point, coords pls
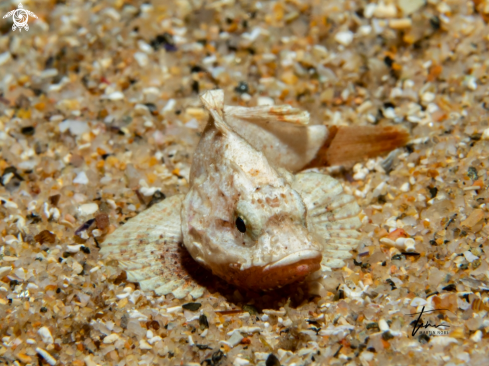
(347, 145)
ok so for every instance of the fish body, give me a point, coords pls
(233, 182)
(246, 217)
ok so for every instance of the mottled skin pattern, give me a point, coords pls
(230, 179)
(246, 217)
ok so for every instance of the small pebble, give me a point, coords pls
(45, 334)
(115, 96)
(111, 338)
(142, 59)
(192, 306)
(102, 221)
(144, 345)
(81, 178)
(405, 187)
(28, 131)
(428, 97)
(75, 127)
(4, 58)
(242, 87)
(45, 236)
(46, 356)
(88, 208)
(477, 336)
(485, 134)
(265, 101)
(469, 256)
(73, 248)
(417, 301)
(400, 23)
(344, 38)
(385, 11)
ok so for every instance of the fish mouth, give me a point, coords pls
(292, 268)
(293, 258)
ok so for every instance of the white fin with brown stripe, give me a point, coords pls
(149, 248)
(331, 214)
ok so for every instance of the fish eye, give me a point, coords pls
(240, 224)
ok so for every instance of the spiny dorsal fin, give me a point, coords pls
(213, 101)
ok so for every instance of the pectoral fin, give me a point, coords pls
(149, 248)
(331, 214)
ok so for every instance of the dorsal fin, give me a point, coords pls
(213, 101)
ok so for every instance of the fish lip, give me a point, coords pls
(294, 258)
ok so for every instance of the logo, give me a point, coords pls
(20, 17)
(418, 324)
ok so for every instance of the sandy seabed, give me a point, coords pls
(99, 115)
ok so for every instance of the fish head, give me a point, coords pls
(241, 217)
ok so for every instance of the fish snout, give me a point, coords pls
(297, 254)
(292, 255)
(295, 267)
